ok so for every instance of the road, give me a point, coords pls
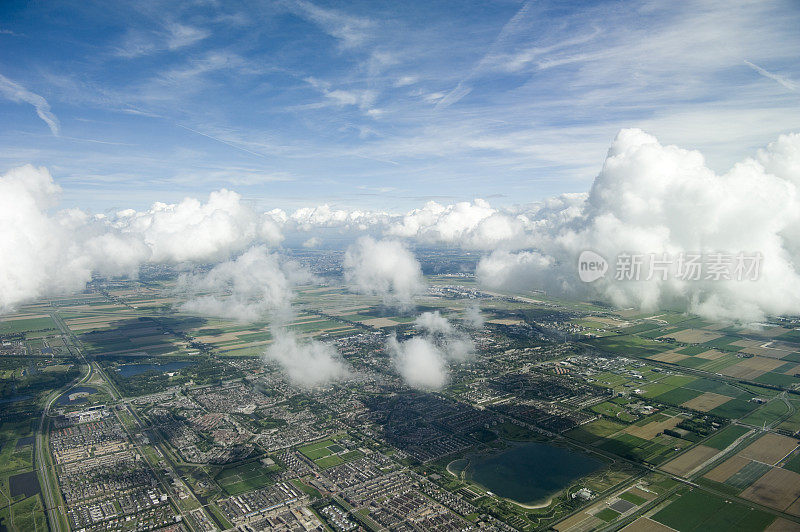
(52, 501)
(108, 385)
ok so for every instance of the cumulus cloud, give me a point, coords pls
(454, 344)
(195, 231)
(519, 271)
(248, 288)
(38, 256)
(469, 225)
(473, 317)
(307, 219)
(472, 225)
(112, 253)
(434, 323)
(258, 285)
(307, 364)
(422, 361)
(48, 252)
(663, 203)
(385, 268)
(419, 362)
(649, 200)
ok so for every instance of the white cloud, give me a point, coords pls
(404, 81)
(422, 361)
(525, 270)
(654, 199)
(364, 99)
(786, 82)
(471, 225)
(36, 256)
(251, 287)
(45, 253)
(307, 364)
(181, 35)
(172, 36)
(648, 199)
(312, 243)
(351, 31)
(195, 231)
(17, 93)
(419, 362)
(434, 323)
(453, 343)
(473, 317)
(385, 268)
(323, 216)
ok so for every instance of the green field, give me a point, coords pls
(315, 451)
(767, 413)
(327, 453)
(715, 366)
(677, 396)
(512, 431)
(615, 411)
(722, 388)
(725, 437)
(734, 409)
(747, 475)
(17, 458)
(793, 464)
(305, 488)
(595, 430)
(723, 343)
(777, 379)
(679, 380)
(699, 511)
(246, 477)
(632, 498)
(23, 325)
(629, 345)
(693, 350)
(655, 389)
(792, 357)
(607, 515)
(635, 448)
(792, 423)
(328, 461)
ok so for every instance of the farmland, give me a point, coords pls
(647, 400)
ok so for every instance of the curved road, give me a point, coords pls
(52, 500)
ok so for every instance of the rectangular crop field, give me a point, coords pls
(699, 511)
(769, 448)
(726, 436)
(689, 460)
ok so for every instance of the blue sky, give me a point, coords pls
(380, 105)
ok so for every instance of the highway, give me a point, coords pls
(52, 500)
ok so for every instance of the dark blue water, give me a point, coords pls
(131, 370)
(64, 399)
(531, 472)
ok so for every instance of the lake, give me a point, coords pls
(64, 399)
(531, 472)
(131, 370)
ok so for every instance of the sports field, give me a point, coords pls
(246, 477)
